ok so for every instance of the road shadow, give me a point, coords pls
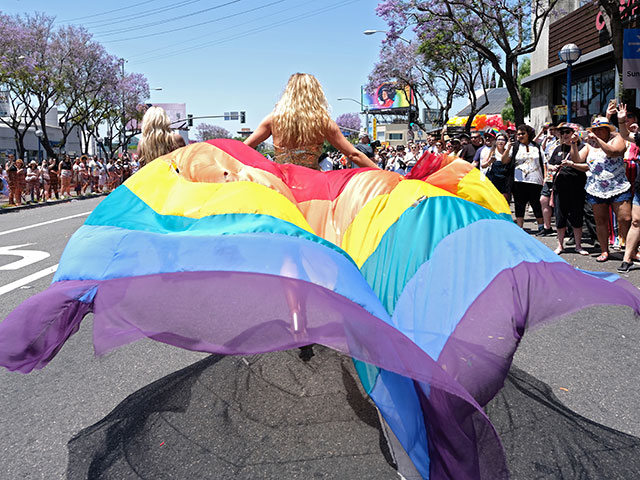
(544, 439)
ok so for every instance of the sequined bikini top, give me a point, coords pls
(305, 156)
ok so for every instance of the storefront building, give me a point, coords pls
(593, 75)
(32, 145)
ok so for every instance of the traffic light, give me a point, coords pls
(412, 118)
(242, 117)
(190, 120)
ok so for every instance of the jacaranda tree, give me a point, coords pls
(499, 31)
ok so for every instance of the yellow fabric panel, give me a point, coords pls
(367, 229)
(203, 162)
(168, 193)
(477, 188)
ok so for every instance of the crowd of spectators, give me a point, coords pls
(570, 176)
(63, 177)
(583, 176)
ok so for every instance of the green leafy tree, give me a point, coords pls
(525, 93)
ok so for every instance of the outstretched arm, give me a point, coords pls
(335, 138)
(261, 133)
(622, 124)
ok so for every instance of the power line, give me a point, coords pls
(106, 13)
(196, 24)
(160, 22)
(147, 13)
(252, 31)
(189, 41)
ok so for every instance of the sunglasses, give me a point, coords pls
(566, 132)
(520, 134)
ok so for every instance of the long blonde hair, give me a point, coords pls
(157, 138)
(300, 117)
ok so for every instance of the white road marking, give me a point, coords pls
(28, 279)
(28, 256)
(7, 232)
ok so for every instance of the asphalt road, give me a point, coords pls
(588, 362)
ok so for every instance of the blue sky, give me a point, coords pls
(241, 62)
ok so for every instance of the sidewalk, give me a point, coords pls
(5, 208)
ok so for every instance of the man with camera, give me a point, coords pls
(366, 147)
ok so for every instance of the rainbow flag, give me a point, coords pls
(424, 280)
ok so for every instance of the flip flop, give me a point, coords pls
(558, 251)
(582, 251)
(603, 257)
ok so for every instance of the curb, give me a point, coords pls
(7, 209)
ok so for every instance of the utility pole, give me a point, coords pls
(123, 134)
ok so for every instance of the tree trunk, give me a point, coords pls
(516, 101)
(44, 140)
(612, 10)
(19, 139)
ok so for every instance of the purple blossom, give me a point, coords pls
(206, 131)
(349, 121)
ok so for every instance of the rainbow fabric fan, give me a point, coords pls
(425, 281)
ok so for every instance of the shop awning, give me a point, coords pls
(587, 57)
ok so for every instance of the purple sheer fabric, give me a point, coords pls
(243, 313)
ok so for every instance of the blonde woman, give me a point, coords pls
(157, 138)
(299, 125)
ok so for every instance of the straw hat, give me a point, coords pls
(572, 126)
(600, 122)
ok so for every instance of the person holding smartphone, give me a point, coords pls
(607, 185)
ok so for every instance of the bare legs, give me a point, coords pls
(546, 211)
(633, 236)
(601, 214)
(577, 233)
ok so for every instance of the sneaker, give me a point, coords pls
(543, 232)
(625, 267)
(571, 241)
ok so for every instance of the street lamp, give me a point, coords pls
(39, 134)
(569, 54)
(371, 32)
(362, 109)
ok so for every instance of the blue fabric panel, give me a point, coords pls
(395, 261)
(101, 252)
(397, 400)
(124, 209)
(453, 282)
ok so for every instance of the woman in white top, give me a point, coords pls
(528, 173)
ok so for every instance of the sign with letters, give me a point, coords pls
(631, 59)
